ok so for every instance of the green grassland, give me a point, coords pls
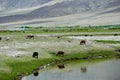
(27, 65)
(64, 29)
(108, 41)
(11, 67)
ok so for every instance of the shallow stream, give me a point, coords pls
(77, 70)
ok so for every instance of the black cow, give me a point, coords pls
(60, 53)
(35, 55)
(58, 37)
(85, 35)
(115, 34)
(0, 38)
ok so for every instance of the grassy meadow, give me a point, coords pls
(47, 44)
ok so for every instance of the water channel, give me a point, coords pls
(77, 70)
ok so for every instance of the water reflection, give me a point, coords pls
(61, 66)
(36, 73)
(83, 69)
(106, 70)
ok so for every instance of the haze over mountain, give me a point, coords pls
(16, 4)
(59, 12)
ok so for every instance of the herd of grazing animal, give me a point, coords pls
(36, 54)
(27, 37)
(59, 53)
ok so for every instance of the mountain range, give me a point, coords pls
(59, 12)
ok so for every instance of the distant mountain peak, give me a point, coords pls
(17, 4)
(55, 11)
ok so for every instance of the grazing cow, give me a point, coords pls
(0, 38)
(115, 34)
(82, 42)
(58, 37)
(60, 53)
(84, 69)
(85, 35)
(35, 55)
(61, 66)
(30, 37)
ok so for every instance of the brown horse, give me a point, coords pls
(60, 53)
(30, 37)
(82, 42)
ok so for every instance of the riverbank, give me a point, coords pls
(26, 65)
(92, 69)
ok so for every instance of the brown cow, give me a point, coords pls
(82, 42)
(30, 37)
(60, 53)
